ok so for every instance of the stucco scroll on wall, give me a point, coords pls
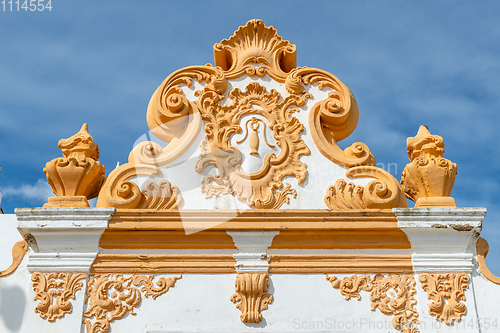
(392, 295)
(111, 297)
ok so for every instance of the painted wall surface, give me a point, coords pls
(201, 303)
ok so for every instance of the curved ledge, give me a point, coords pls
(482, 249)
(18, 251)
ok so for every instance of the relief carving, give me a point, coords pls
(429, 178)
(383, 192)
(255, 43)
(122, 193)
(254, 50)
(111, 297)
(262, 189)
(392, 295)
(173, 119)
(333, 119)
(78, 175)
(54, 291)
(251, 296)
(446, 292)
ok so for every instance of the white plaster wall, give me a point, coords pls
(302, 303)
(17, 302)
(201, 303)
(322, 171)
(487, 295)
(14, 290)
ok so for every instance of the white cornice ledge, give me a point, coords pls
(62, 239)
(252, 247)
(441, 237)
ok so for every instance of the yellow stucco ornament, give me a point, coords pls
(78, 175)
(429, 178)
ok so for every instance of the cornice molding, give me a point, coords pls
(62, 239)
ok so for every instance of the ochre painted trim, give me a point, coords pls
(482, 248)
(299, 229)
(279, 264)
(253, 219)
(164, 263)
(341, 239)
(340, 263)
(165, 239)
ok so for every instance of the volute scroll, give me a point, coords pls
(333, 119)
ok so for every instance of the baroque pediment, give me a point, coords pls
(251, 131)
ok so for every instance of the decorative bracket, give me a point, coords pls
(251, 294)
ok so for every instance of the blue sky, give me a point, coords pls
(407, 63)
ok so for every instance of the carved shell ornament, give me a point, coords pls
(249, 123)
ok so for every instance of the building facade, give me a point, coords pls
(244, 215)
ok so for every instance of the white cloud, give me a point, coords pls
(41, 190)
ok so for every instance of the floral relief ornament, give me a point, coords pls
(261, 189)
(111, 297)
(446, 292)
(392, 295)
(54, 291)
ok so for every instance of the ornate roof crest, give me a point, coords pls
(256, 43)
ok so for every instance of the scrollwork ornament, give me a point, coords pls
(54, 291)
(391, 295)
(262, 189)
(333, 119)
(111, 297)
(19, 249)
(383, 192)
(446, 292)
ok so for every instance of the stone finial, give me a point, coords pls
(428, 179)
(78, 175)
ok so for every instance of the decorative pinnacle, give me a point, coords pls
(424, 143)
(79, 144)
